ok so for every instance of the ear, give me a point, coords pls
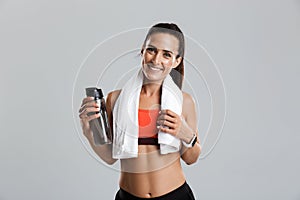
(177, 61)
(142, 49)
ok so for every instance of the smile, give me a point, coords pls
(155, 68)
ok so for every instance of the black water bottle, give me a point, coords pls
(99, 126)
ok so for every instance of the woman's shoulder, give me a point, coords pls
(112, 97)
(187, 98)
(114, 93)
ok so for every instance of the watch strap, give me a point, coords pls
(192, 143)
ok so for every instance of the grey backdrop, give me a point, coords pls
(255, 44)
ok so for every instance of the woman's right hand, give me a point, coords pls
(88, 105)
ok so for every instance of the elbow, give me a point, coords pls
(190, 162)
(110, 161)
(192, 159)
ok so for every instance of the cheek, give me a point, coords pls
(168, 63)
(147, 58)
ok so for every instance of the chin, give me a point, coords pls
(153, 77)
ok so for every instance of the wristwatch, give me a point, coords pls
(192, 142)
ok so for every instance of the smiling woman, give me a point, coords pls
(154, 122)
(171, 38)
(160, 56)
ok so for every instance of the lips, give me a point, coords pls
(155, 68)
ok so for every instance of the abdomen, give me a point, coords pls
(151, 173)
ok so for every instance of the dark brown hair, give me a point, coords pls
(177, 73)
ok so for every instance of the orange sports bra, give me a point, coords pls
(147, 126)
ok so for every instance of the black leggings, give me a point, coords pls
(183, 192)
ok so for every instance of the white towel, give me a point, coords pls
(125, 117)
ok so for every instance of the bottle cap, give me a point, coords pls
(100, 93)
(94, 92)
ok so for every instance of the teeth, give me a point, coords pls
(155, 69)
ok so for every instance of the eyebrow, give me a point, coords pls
(162, 49)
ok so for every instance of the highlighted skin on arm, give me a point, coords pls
(190, 155)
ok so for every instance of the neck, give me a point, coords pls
(151, 88)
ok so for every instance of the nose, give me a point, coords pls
(157, 58)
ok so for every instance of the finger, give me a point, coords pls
(169, 112)
(167, 130)
(82, 116)
(168, 124)
(89, 104)
(87, 99)
(166, 117)
(91, 117)
(85, 112)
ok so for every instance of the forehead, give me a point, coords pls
(163, 41)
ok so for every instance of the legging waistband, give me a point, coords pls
(183, 192)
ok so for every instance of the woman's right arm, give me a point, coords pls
(89, 105)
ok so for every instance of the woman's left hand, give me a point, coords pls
(169, 122)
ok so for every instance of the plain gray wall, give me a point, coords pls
(255, 44)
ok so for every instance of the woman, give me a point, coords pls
(152, 174)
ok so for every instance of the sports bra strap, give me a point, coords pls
(151, 141)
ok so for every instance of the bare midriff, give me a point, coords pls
(151, 174)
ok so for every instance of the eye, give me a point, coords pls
(167, 55)
(150, 50)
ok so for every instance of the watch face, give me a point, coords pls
(194, 141)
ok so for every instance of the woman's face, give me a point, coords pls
(159, 56)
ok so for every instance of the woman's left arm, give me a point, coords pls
(183, 127)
